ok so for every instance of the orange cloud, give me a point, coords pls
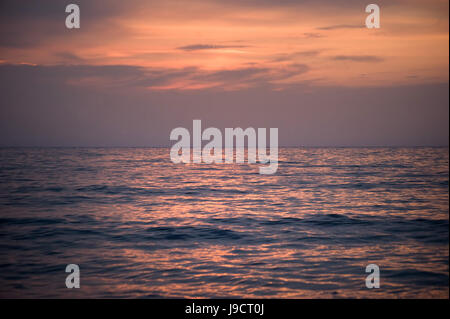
(411, 47)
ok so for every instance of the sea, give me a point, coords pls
(139, 226)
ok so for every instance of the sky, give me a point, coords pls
(137, 69)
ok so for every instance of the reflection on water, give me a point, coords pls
(140, 226)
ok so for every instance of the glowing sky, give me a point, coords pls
(199, 46)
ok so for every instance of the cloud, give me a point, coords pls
(248, 77)
(358, 58)
(134, 77)
(161, 36)
(293, 4)
(296, 55)
(199, 47)
(99, 76)
(241, 74)
(79, 105)
(39, 22)
(69, 57)
(307, 53)
(312, 35)
(341, 26)
(41, 107)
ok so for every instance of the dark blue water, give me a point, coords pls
(140, 226)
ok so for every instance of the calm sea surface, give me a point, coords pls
(139, 226)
